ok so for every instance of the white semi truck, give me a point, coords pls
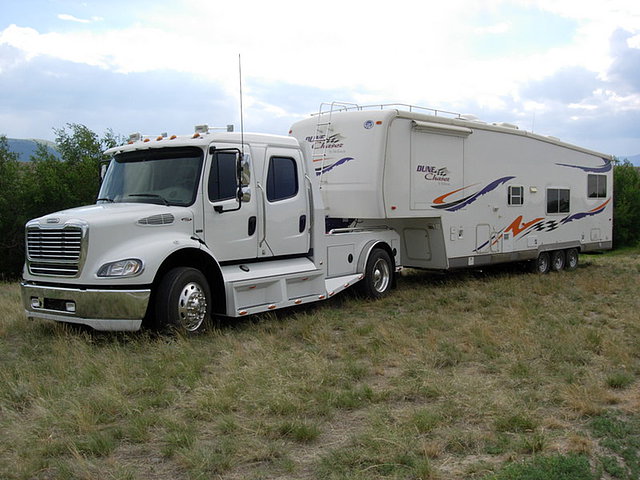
(186, 228)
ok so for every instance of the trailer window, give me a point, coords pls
(282, 179)
(516, 195)
(558, 200)
(597, 186)
(223, 181)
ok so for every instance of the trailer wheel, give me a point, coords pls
(558, 260)
(183, 300)
(378, 274)
(542, 264)
(572, 259)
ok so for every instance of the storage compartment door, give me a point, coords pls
(436, 169)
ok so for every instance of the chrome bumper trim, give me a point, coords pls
(101, 309)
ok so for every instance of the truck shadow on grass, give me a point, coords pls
(407, 279)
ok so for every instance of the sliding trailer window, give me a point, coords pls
(597, 186)
(558, 200)
(515, 195)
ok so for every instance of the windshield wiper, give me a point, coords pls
(150, 195)
(105, 199)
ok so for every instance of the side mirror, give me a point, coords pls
(104, 166)
(242, 176)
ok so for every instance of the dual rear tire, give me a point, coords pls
(378, 274)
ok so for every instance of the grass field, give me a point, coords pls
(482, 375)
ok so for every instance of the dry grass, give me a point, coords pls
(449, 377)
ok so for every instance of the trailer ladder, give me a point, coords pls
(323, 127)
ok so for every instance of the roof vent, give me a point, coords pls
(469, 117)
(512, 126)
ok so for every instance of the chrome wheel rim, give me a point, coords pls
(572, 260)
(192, 306)
(381, 275)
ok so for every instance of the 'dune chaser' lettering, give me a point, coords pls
(434, 174)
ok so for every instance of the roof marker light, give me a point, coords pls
(159, 138)
(173, 137)
(146, 140)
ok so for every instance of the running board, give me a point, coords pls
(263, 286)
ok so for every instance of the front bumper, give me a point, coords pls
(115, 310)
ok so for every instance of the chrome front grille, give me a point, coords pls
(54, 251)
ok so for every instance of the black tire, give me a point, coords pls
(572, 259)
(558, 260)
(183, 300)
(378, 274)
(542, 264)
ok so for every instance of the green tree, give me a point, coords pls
(46, 184)
(626, 204)
(74, 180)
(12, 175)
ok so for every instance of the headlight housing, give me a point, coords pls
(122, 268)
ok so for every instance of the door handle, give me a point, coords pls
(251, 225)
(302, 223)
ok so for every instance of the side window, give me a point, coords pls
(516, 195)
(282, 179)
(222, 177)
(597, 186)
(558, 200)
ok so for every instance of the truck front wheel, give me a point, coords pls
(378, 274)
(183, 300)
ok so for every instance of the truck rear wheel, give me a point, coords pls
(183, 300)
(378, 274)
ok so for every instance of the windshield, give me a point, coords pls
(166, 176)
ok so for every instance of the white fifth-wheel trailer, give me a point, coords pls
(230, 224)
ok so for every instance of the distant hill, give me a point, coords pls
(635, 159)
(27, 147)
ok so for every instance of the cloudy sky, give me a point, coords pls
(568, 68)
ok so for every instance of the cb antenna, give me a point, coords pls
(241, 115)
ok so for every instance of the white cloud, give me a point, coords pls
(414, 52)
(496, 29)
(70, 18)
(634, 42)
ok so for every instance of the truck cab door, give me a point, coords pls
(230, 225)
(286, 204)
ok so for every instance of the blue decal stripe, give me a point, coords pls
(603, 169)
(328, 168)
(453, 206)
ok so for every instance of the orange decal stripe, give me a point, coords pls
(601, 206)
(518, 227)
(440, 200)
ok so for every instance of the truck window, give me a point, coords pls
(166, 176)
(597, 186)
(515, 195)
(223, 181)
(282, 179)
(558, 200)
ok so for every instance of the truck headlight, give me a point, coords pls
(122, 268)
